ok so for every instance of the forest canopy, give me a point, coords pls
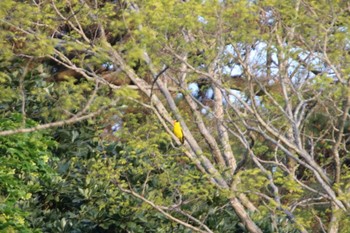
(89, 92)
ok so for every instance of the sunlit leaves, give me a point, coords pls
(241, 19)
(126, 146)
(252, 180)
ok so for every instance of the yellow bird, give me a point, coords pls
(178, 132)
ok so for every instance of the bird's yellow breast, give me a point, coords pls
(178, 132)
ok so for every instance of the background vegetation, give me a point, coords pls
(89, 90)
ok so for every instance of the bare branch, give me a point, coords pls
(159, 209)
(52, 124)
(77, 29)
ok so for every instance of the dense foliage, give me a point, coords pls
(89, 91)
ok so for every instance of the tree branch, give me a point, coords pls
(51, 125)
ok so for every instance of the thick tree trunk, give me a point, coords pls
(333, 226)
(242, 214)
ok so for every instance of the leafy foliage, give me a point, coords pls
(24, 165)
(88, 89)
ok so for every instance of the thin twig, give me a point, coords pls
(156, 78)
